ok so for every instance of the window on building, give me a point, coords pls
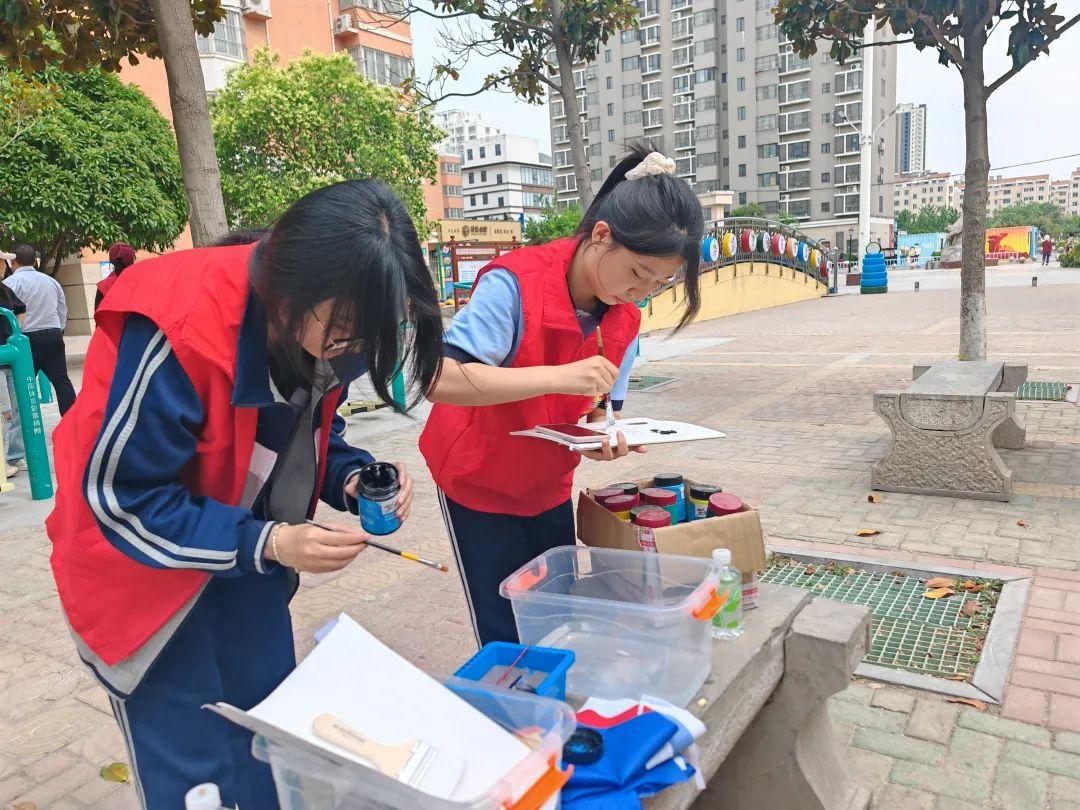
(607, 56)
(472, 178)
(740, 113)
(766, 122)
(826, 88)
(227, 38)
(765, 32)
(380, 67)
(631, 90)
(498, 149)
(705, 17)
(765, 91)
(768, 150)
(610, 109)
(630, 35)
(611, 136)
(704, 46)
(767, 180)
(705, 75)
(706, 132)
(742, 198)
(631, 117)
(482, 152)
(826, 177)
(609, 82)
(727, 162)
(683, 84)
(468, 152)
(742, 142)
(740, 24)
(611, 161)
(764, 63)
(826, 148)
(498, 178)
(652, 63)
(742, 170)
(725, 135)
(483, 175)
(500, 201)
(472, 200)
(631, 63)
(740, 54)
(740, 84)
(825, 207)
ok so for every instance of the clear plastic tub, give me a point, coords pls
(308, 780)
(627, 615)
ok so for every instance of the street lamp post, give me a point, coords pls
(866, 147)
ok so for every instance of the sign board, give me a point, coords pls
(477, 230)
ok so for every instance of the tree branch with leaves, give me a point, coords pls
(959, 32)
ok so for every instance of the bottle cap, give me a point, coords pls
(626, 487)
(203, 797)
(723, 503)
(654, 518)
(601, 495)
(659, 497)
(621, 503)
(721, 556)
(702, 492)
(668, 480)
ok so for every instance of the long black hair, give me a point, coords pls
(658, 215)
(354, 242)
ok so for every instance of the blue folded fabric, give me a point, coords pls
(619, 779)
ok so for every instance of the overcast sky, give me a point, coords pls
(1034, 116)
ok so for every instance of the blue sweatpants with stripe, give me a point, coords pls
(236, 646)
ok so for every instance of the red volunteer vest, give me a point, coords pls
(106, 283)
(197, 298)
(469, 450)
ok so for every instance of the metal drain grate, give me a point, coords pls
(649, 382)
(911, 632)
(1042, 391)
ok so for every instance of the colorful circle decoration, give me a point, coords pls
(824, 262)
(728, 246)
(791, 250)
(710, 250)
(779, 243)
(746, 240)
(815, 257)
(764, 242)
(803, 253)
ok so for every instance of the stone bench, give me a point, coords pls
(769, 741)
(945, 428)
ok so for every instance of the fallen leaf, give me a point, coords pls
(809, 570)
(937, 593)
(25, 806)
(956, 678)
(978, 704)
(820, 586)
(866, 532)
(830, 567)
(116, 772)
(970, 608)
(941, 582)
(874, 498)
(1021, 523)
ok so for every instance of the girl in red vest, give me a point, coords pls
(525, 352)
(121, 257)
(205, 433)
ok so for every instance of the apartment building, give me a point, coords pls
(910, 138)
(912, 191)
(461, 126)
(505, 177)
(716, 90)
(442, 198)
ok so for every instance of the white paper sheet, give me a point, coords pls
(355, 677)
(638, 431)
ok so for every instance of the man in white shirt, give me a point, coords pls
(44, 322)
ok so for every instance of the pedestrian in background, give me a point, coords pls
(46, 317)
(121, 257)
(14, 452)
(1047, 248)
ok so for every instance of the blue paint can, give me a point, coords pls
(675, 483)
(377, 493)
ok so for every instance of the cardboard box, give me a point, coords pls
(741, 533)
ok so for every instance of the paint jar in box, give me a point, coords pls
(674, 483)
(697, 508)
(627, 488)
(649, 520)
(601, 495)
(637, 510)
(377, 492)
(665, 499)
(723, 503)
(620, 505)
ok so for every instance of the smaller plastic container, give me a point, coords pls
(633, 619)
(724, 503)
(626, 487)
(555, 663)
(673, 482)
(377, 492)
(601, 495)
(697, 507)
(308, 779)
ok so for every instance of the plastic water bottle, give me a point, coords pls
(727, 624)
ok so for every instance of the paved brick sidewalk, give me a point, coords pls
(791, 388)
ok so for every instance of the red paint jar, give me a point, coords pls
(601, 495)
(648, 520)
(620, 505)
(665, 499)
(724, 503)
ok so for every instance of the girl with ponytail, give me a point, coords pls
(525, 352)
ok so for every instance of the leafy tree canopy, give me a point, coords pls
(553, 224)
(928, 219)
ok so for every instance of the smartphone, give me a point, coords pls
(575, 434)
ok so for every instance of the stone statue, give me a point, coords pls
(953, 249)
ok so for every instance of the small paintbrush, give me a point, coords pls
(406, 554)
(608, 409)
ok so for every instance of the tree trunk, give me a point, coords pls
(570, 105)
(191, 120)
(976, 174)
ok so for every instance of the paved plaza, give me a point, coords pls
(792, 389)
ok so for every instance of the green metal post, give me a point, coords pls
(16, 355)
(44, 389)
(397, 389)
